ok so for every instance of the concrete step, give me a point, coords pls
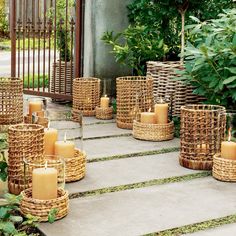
(123, 145)
(127, 171)
(146, 210)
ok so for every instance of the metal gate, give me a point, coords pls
(46, 38)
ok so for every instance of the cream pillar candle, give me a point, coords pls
(35, 106)
(44, 183)
(50, 137)
(148, 117)
(228, 150)
(104, 102)
(40, 113)
(161, 111)
(65, 149)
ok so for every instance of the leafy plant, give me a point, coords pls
(164, 15)
(4, 26)
(63, 36)
(211, 62)
(11, 220)
(135, 46)
(52, 215)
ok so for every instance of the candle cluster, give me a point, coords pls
(44, 180)
(159, 116)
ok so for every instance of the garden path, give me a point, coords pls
(136, 187)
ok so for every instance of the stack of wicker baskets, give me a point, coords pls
(86, 96)
(202, 130)
(11, 108)
(134, 95)
(164, 85)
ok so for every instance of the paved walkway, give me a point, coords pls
(135, 187)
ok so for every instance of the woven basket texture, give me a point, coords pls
(11, 93)
(164, 86)
(41, 208)
(202, 130)
(86, 96)
(25, 141)
(134, 95)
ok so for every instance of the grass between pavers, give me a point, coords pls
(108, 136)
(192, 228)
(135, 154)
(140, 185)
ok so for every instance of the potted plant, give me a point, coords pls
(63, 68)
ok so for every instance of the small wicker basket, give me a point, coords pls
(128, 89)
(224, 169)
(40, 121)
(202, 130)
(153, 132)
(104, 113)
(11, 108)
(25, 141)
(86, 96)
(41, 208)
(75, 167)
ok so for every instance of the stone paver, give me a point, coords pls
(123, 145)
(226, 230)
(145, 210)
(127, 171)
(95, 131)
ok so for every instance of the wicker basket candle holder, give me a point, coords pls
(202, 130)
(75, 166)
(25, 141)
(86, 96)
(11, 105)
(44, 175)
(41, 208)
(104, 113)
(134, 94)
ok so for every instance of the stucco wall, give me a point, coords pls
(101, 16)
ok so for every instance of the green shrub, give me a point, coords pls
(36, 81)
(165, 15)
(4, 26)
(136, 45)
(211, 62)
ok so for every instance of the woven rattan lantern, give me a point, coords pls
(202, 130)
(128, 88)
(11, 101)
(164, 85)
(25, 141)
(86, 96)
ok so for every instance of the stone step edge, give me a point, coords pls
(135, 154)
(144, 184)
(196, 227)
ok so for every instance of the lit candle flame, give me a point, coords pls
(46, 164)
(229, 135)
(105, 95)
(150, 109)
(161, 101)
(48, 124)
(65, 137)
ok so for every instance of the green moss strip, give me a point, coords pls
(140, 185)
(109, 136)
(136, 154)
(192, 228)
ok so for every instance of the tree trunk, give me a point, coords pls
(182, 37)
